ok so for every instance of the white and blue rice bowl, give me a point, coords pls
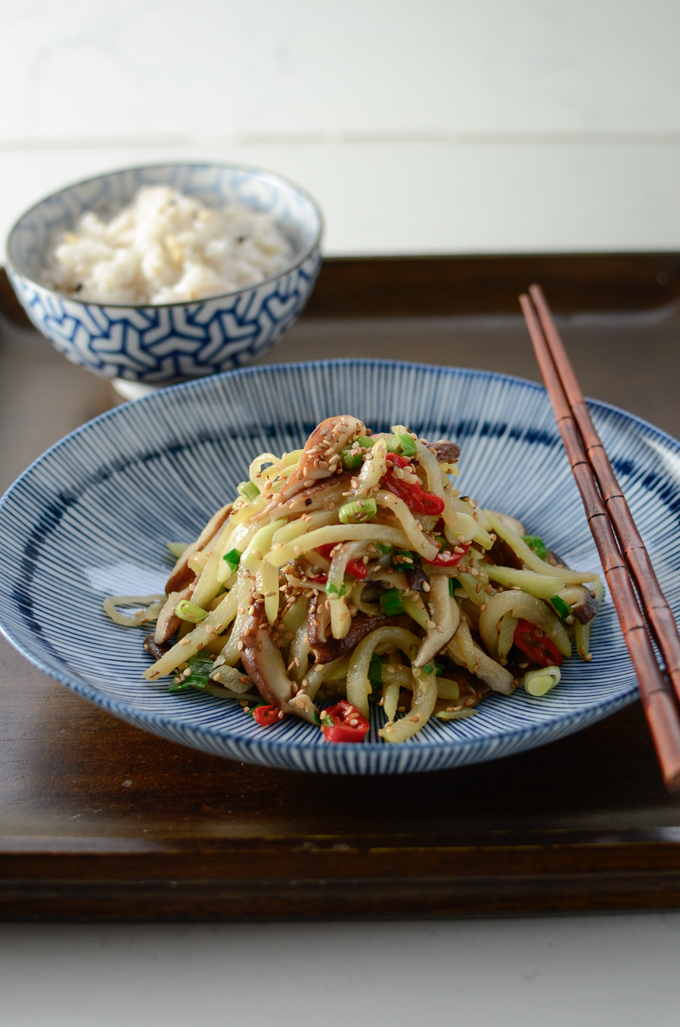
(91, 517)
(165, 343)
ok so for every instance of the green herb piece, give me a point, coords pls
(333, 590)
(375, 674)
(564, 609)
(233, 558)
(351, 460)
(383, 548)
(405, 553)
(537, 544)
(439, 669)
(327, 721)
(454, 583)
(316, 718)
(408, 446)
(198, 677)
(428, 668)
(249, 490)
(189, 611)
(358, 511)
(391, 602)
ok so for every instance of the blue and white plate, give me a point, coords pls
(91, 517)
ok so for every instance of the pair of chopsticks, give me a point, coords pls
(625, 560)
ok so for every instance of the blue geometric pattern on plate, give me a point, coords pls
(169, 342)
(92, 516)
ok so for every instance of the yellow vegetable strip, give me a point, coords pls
(523, 607)
(529, 557)
(424, 699)
(214, 624)
(543, 586)
(445, 617)
(358, 685)
(336, 533)
(241, 592)
(413, 531)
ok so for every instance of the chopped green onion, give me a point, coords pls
(333, 590)
(316, 718)
(391, 602)
(537, 544)
(408, 446)
(358, 511)
(383, 548)
(564, 609)
(351, 460)
(438, 668)
(198, 677)
(249, 490)
(454, 583)
(233, 558)
(187, 610)
(538, 682)
(375, 674)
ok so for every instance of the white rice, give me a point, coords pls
(166, 247)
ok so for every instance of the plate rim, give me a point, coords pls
(130, 713)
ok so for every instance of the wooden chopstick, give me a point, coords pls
(654, 602)
(662, 715)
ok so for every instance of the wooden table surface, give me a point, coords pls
(101, 820)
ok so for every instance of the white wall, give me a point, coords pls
(420, 125)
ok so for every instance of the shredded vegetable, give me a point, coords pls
(350, 584)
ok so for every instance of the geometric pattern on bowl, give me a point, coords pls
(91, 517)
(165, 343)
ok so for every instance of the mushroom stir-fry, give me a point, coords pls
(352, 572)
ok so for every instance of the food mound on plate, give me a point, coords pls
(166, 247)
(352, 572)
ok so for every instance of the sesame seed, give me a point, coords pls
(415, 719)
(426, 586)
(588, 657)
(240, 647)
(483, 607)
(430, 625)
(185, 641)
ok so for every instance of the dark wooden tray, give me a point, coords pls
(101, 821)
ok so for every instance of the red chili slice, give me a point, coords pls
(540, 650)
(355, 568)
(425, 503)
(452, 559)
(267, 715)
(348, 724)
